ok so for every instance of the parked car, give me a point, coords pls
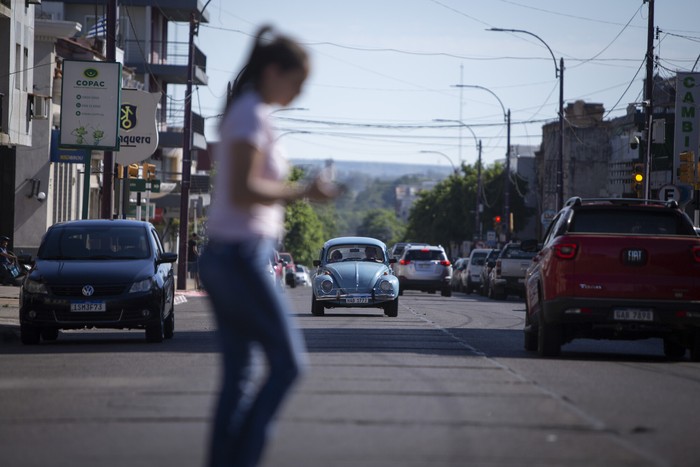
(615, 269)
(98, 274)
(471, 277)
(489, 264)
(288, 269)
(301, 275)
(508, 274)
(425, 268)
(354, 272)
(457, 269)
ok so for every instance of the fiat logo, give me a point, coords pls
(88, 290)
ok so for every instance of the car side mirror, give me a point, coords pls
(392, 261)
(317, 262)
(167, 258)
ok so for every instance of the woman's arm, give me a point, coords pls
(248, 187)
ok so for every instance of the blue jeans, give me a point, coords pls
(249, 310)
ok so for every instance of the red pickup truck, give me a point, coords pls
(615, 269)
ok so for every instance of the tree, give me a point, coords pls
(446, 215)
(381, 224)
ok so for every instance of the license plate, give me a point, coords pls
(357, 300)
(82, 307)
(423, 266)
(633, 314)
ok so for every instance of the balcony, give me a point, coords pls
(168, 62)
(170, 135)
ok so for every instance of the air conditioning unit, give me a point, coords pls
(40, 107)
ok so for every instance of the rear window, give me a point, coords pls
(478, 259)
(517, 253)
(632, 222)
(425, 255)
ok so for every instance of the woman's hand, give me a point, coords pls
(322, 189)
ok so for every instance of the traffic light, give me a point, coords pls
(133, 170)
(638, 178)
(149, 171)
(497, 223)
(686, 168)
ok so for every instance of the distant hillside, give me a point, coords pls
(381, 170)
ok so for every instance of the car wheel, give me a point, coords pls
(529, 333)
(695, 348)
(400, 290)
(497, 294)
(169, 325)
(154, 331)
(316, 307)
(391, 309)
(549, 338)
(468, 288)
(30, 335)
(446, 292)
(49, 334)
(673, 350)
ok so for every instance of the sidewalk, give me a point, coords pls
(9, 307)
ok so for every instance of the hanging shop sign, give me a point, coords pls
(138, 131)
(90, 100)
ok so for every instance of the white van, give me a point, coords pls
(471, 276)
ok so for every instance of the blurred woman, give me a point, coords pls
(245, 223)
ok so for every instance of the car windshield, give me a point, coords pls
(358, 252)
(92, 243)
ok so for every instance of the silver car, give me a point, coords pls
(424, 268)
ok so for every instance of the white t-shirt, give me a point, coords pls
(246, 120)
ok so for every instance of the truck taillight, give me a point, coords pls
(565, 250)
(404, 262)
(696, 254)
(445, 262)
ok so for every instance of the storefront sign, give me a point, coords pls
(138, 132)
(90, 104)
(687, 131)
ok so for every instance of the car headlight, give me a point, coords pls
(385, 286)
(141, 286)
(327, 285)
(31, 286)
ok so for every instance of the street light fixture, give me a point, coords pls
(454, 169)
(506, 188)
(477, 219)
(558, 73)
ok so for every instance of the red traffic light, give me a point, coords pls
(497, 219)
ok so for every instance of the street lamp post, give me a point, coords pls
(506, 188)
(477, 216)
(454, 169)
(558, 73)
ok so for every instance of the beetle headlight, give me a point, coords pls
(141, 286)
(385, 286)
(31, 286)
(327, 285)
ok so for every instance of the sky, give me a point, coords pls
(384, 72)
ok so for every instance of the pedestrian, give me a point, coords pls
(193, 259)
(9, 265)
(245, 222)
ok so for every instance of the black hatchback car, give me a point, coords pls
(98, 274)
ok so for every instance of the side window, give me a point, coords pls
(156, 241)
(555, 228)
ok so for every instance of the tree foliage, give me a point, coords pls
(447, 213)
(381, 224)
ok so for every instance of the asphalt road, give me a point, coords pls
(446, 383)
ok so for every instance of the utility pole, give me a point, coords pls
(108, 162)
(477, 217)
(195, 17)
(649, 99)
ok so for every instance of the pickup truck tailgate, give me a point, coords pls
(643, 267)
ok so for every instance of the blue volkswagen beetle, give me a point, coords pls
(354, 272)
